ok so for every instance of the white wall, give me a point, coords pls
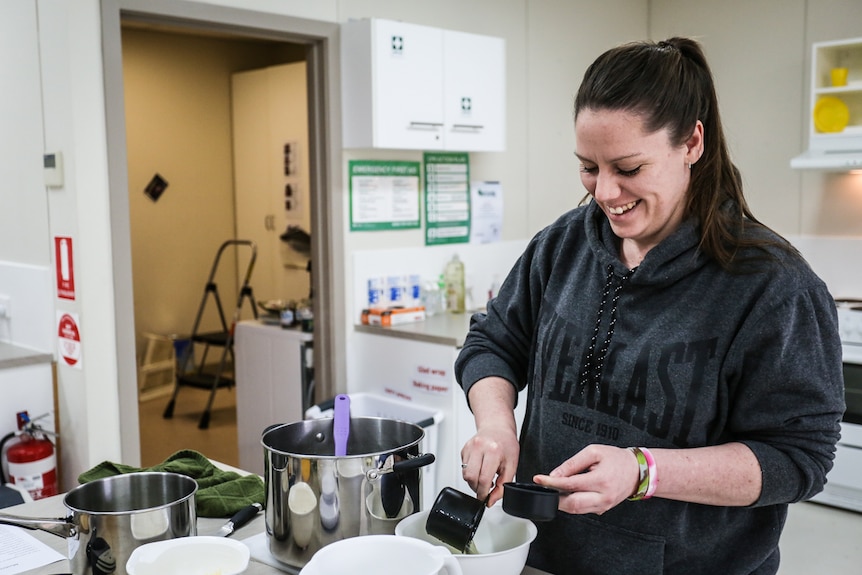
(24, 203)
(758, 76)
(90, 400)
(759, 52)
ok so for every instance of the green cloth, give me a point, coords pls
(220, 493)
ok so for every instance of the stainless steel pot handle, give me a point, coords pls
(391, 466)
(61, 527)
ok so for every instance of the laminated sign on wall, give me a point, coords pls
(384, 195)
(447, 198)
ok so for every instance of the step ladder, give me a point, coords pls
(204, 376)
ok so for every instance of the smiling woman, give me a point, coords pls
(639, 179)
(658, 330)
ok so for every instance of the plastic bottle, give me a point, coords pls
(455, 285)
(431, 298)
(396, 289)
(376, 292)
(414, 290)
(443, 303)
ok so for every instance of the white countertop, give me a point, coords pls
(817, 539)
(293, 332)
(12, 355)
(252, 534)
(445, 329)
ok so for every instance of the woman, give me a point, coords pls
(683, 361)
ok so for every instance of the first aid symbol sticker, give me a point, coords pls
(69, 342)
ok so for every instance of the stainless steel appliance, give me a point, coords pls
(844, 485)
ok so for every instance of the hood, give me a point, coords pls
(834, 160)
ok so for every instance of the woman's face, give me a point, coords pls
(638, 179)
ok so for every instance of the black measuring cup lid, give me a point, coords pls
(530, 501)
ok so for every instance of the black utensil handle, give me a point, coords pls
(243, 516)
(414, 462)
(326, 404)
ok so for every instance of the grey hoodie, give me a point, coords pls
(676, 353)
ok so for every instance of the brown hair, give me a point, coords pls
(669, 85)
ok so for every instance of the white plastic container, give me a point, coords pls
(373, 405)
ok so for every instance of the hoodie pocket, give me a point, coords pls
(583, 545)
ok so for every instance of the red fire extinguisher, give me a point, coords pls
(32, 460)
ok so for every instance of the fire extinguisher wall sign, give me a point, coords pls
(69, 338)
(63, 259)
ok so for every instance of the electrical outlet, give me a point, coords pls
(5, 307)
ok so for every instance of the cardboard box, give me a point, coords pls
(387, 317)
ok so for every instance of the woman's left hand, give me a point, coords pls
(595, 479)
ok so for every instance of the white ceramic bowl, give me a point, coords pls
(381, 555)
(502, 542)
(189, 556)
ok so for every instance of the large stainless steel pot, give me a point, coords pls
(314, 498)
(111, 517)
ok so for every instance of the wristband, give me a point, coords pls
(643, 475)
(652, 472)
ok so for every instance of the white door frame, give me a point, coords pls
(327, 204)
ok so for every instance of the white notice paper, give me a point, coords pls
(487, 212)
(20, 551)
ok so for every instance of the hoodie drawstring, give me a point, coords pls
(594, 363)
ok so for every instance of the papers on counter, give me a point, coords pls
(20, 551)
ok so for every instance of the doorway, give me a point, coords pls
(196, 119)
(318, 41)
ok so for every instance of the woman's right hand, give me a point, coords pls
(490, 457)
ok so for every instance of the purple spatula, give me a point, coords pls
(341, 424)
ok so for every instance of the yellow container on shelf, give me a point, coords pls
(830, 115)
(839, 76)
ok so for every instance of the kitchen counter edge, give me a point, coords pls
(12, 355)
(445, 329)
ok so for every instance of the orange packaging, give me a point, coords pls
(388, 317)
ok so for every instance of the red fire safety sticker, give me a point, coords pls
(69, 342)
(65, 269)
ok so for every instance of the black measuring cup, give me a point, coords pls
(530, 501)
(454, 518)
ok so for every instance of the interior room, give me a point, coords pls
(199, 216)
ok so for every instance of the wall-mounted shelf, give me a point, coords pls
(839, 148)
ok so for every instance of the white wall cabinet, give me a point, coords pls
(835, 118)
(407, 86)
(474, 92)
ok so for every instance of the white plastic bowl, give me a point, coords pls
(381, 555)
(502, 542)
(189, 556)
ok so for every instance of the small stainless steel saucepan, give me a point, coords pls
(113, 516)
